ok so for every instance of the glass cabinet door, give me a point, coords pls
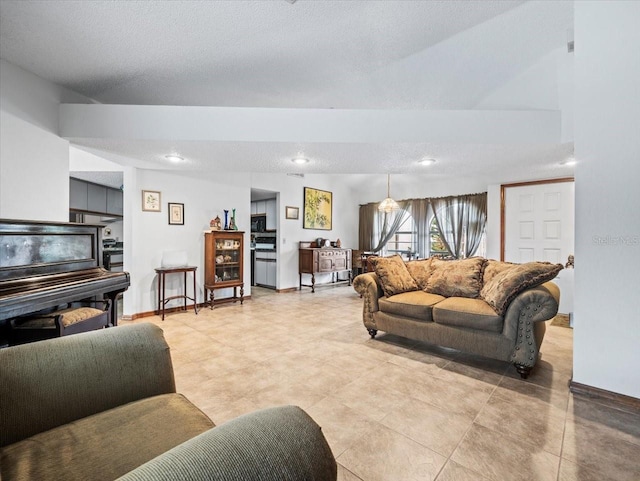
(227, 259)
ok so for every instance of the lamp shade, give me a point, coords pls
(388, 205)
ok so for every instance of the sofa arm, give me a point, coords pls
(282, 444)
(369, 288)
(49, 383)
(524, 321)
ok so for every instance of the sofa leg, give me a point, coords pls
(522, 370)
(372, 332)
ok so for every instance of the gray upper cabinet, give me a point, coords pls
(77, 194)
(97, 201)
(114, 202)
(94, 198)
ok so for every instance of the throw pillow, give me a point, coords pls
(493, 268)
(506, 285)
(459, 278)
(393, 274)
(420, 271)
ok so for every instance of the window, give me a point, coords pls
(404, 241)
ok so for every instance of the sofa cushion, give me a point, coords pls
(414, 304)
(106, 445)
(506, 285)
(460, 278)
(466, 312)
(420, 270)
(393, 274)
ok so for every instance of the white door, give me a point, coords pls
(539, 226)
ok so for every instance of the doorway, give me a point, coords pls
(264, 241)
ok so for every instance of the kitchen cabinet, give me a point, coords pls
(265, 268)
(272, 214)
(223, 264)
(96, 198)
(114, 201)
(77, 194)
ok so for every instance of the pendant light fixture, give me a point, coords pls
(388, 205)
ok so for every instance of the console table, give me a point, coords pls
(323, 260)
(162, 300)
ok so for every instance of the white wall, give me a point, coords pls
(150, 233)
(34, 161)
(290, 232)
(607, 116)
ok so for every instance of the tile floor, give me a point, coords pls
(395, 409)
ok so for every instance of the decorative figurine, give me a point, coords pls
(338, 243)
(226, 220)
(215, 224)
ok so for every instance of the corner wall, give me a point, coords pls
(607, 116)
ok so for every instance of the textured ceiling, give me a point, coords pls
(310, 54)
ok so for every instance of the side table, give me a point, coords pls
(162, 300)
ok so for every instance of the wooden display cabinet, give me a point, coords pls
(224, 264)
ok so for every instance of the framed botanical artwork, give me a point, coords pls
(151, 200)
(318, 205)
(291, 212)
(176, 213)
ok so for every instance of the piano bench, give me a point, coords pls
(63, 322)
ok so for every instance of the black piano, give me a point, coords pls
(46, 264)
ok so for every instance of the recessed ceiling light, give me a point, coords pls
(173, 158)
(569, 161)
(300, 160)
(427, 161)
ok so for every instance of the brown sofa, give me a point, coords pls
(485, 307)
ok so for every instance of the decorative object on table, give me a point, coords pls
(215, 224)
(151, 201)
(291, 212)
(232, 222)
(326, 243)
(319, 242)
(176, 213)
(226, 220)
(338, 243)
(318, 206)
(388, 205)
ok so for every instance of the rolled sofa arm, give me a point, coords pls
(49, 383)
(524, 321)
(369, 288)
(279, 444)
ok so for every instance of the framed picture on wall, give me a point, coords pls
(318, 205)
(176, 213)
(151, 201)
(291, 212)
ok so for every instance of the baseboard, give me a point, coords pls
(620, 401)
(288, 289)
(169, 310)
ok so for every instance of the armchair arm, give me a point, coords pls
(369, 288)
(50, 383)
(280, 444)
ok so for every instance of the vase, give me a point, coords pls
(233, 218)
(226, 220)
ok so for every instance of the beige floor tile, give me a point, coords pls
(381, 454)
(341, 425)
(382, 403)
(504, 457)
(430, 426)
(345, 475)
(525, 418)
(452, 471)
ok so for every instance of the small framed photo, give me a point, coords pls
(228, 244)
(176, 213)
(151, 200)
(291, 212)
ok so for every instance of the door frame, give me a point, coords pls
(503, 197)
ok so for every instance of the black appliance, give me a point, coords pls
(258, 223)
